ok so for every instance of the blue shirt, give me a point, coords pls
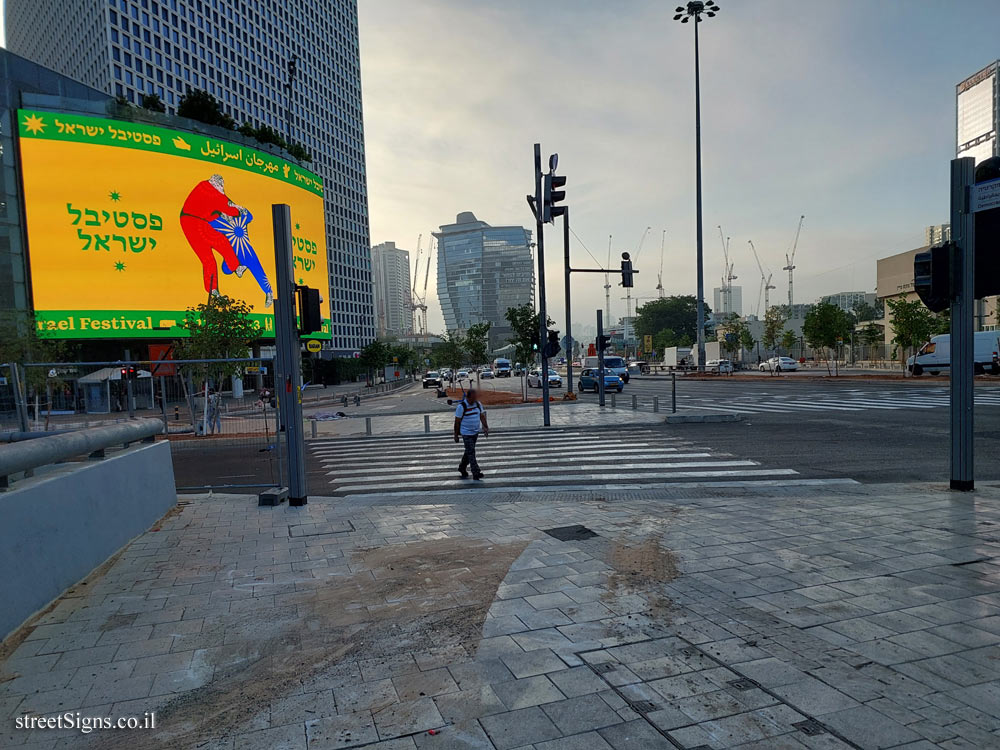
(470, 416)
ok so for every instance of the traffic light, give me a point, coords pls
(551, 195)
(933, 276)
(627, 280)
(603, 342)
(987, 235)
(536, 342)
(310, 315)
(129, 372)
(552, 346)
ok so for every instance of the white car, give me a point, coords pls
(462, 375)
(779, 364)
(535, 379)
(486, 374)
(720, 366)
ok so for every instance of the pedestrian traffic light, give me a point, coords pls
(536, 342)
(129, 372)
(603, 342)
(310, 315)
(551, 195)
(934, 277)
(627, 280)
(552, 346)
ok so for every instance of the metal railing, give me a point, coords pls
(28, 455)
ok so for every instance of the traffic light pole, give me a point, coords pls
(962, 334)
(569, 324)
(600, 355)
(287, 382)
(542, 316)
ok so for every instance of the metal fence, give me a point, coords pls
(223, 428)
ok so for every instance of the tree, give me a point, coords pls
(872, 335)
(664, 339)
(788, 339)
(825, 325)
(20, 343)
(477, 344)
(732, 328)
(774, 321)
(219, 329)
(375, 356)
(747, 341)
(202, 106)
(153, 103)
(451, 351)
(912, 324)
(863, 312)
(679, 313)
(525, 323)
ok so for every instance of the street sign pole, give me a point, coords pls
(569, 325)
(962, 335)
(600, 355)
(288, 381)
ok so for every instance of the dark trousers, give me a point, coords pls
(469, 457)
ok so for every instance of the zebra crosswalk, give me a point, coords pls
(843, 401)
(551, 459)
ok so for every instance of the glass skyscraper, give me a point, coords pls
(292, 65)
(977, 113)
(483, 271)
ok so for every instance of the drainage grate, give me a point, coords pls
(297, 531)
(604, 667)
(645, 707)
(573, 533)
(810, 727)
(742, 684)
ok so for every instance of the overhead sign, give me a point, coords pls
(647, 342)
(313, 346)
(129, 225)
(985, 196)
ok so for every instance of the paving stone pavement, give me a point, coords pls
(825, 618)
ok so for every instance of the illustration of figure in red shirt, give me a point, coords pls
(206, 202)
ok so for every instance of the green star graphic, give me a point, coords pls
(115, 196)
(301, 282)
(119, 266)
(296, 226)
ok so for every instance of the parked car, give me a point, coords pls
(778, 364)
(486, 374)
(518, 369)
(462, 375)
(590, 381)
(720, 366)
(535, 379)
(432, 379)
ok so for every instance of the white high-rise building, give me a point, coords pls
(935, 234)
(391, 281)
(977, 115)
(292, 65)
(727, 301)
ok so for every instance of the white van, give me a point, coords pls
(612, 364)
(935, 356)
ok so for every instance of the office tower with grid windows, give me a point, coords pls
(391, 282)
(482, 272)
(977, 112)
(292, 65)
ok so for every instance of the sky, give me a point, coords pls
(842, 111)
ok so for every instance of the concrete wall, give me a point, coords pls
(55, 529)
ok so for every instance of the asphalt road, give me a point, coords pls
(863, 429)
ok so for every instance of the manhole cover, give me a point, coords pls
(573, 533)
(604, 668)
(809, 727)
(743, 684)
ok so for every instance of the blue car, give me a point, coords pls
(590, 381)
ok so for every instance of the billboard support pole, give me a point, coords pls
(286, 334)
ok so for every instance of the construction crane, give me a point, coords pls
(728, 276)
(418, 302)
(607, 286)
(765, 283)
(790, 261)
(659, 276)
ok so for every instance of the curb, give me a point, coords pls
(702, 418)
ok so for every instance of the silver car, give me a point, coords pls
(535, 379)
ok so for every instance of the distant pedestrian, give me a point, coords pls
(214, 412)
(470, 419)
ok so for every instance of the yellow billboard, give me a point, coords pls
(131, 224)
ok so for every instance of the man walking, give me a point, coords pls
(470, 418)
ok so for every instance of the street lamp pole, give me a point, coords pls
(694, 9)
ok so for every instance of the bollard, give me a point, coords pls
(313, 427)
(656, 403)
(427, 422)
(368, 425)
(673, 392)
(635, 402)
(612, 401)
